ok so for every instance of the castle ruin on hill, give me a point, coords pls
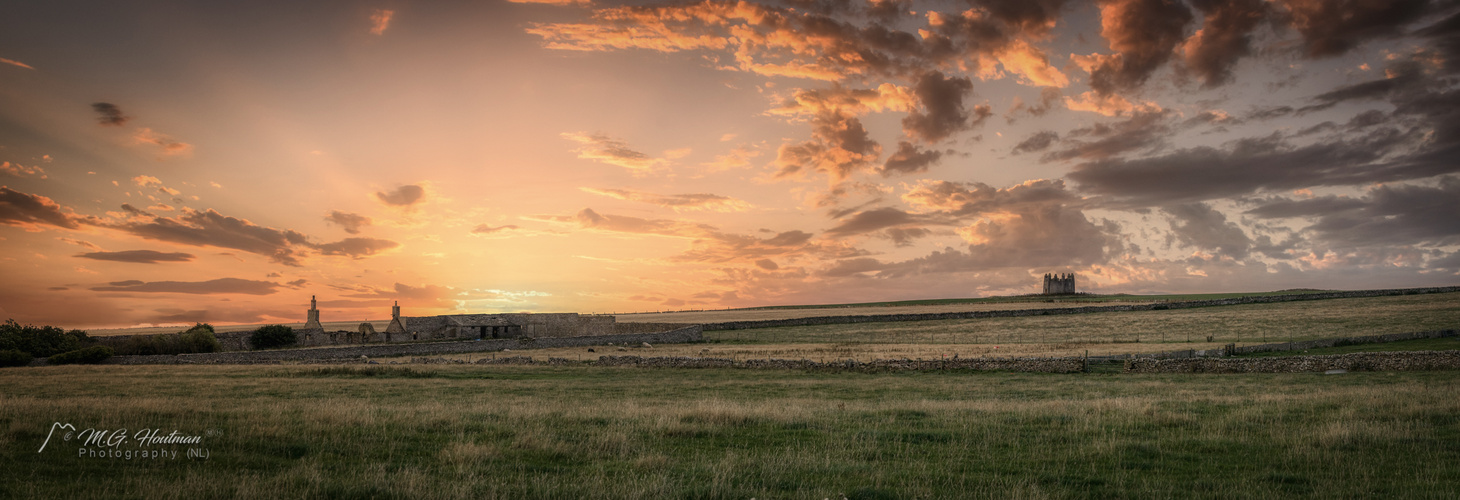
(1059, 284)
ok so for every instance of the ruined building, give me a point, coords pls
(468, 327)
(312, 323)
(1059, 284)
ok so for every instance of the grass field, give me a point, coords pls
(541, 432)
(476, 431)
(1251, 323)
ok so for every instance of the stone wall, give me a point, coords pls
(1362, 361)
(1045, 365)
(644, 327)
(882, 318)
(677, 336)
(1231, 350)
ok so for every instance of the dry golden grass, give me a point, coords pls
(860, 351)
(1243, 324)
(539, 432)
(769, 314)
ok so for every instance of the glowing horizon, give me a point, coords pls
(178, 162)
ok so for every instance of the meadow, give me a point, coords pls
(582, 432)
(1098, 334)
(493, 431)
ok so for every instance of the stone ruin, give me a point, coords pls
(1059, 284)
(458, 327)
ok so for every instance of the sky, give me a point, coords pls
(176, 162)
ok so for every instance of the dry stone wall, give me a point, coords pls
(677, 336)
(1045, 365)
(1362, 361)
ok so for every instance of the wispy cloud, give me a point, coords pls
(380, 21)
(13, 62)
(677, 202)
(139, 256)
(605, 149)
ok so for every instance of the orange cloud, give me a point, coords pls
(18, 170)
(13, 62)
(676, 202)
(30, 211)
(605, 149)
(380, 21)
(169, 146)
(1108, 105)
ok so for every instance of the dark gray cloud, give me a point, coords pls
(1396, 214)
(210, 228)
(1024, 16)
(31, 210)
(974, 199)
(1144, 130)
(1198, 225)
(1445, 37)
(217, 286)
(1144, 34)
(1224, 38)
(1047, 237)
(909, 159)
(109, 114)
(1040, 141)
(904, 236)
(1211, 117)
(1333, 27)
(878, 219)
(1419, 139)
(1277, 208)
(1269, 113)
(1048, 97)
(404, 196)
(138, 256)
(943, 112)
(356, 248)
(350, 222)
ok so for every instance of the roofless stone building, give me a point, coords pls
(1059, 284)
(469, 327)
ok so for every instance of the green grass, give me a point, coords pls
(1250, 323)
(559, 432)
(1439, 344)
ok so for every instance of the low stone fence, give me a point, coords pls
(1044, 365)
(676, 336)
(1233, 350)
(1360, 361)
(884, 318)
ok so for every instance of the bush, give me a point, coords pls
(88, 356)
(199, 338)
(12, 357)
(272, 336)
(41, 341)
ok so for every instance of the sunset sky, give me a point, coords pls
(172, 162)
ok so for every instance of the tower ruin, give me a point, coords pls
(1059, 284)
(313, 319)
(395, 325)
